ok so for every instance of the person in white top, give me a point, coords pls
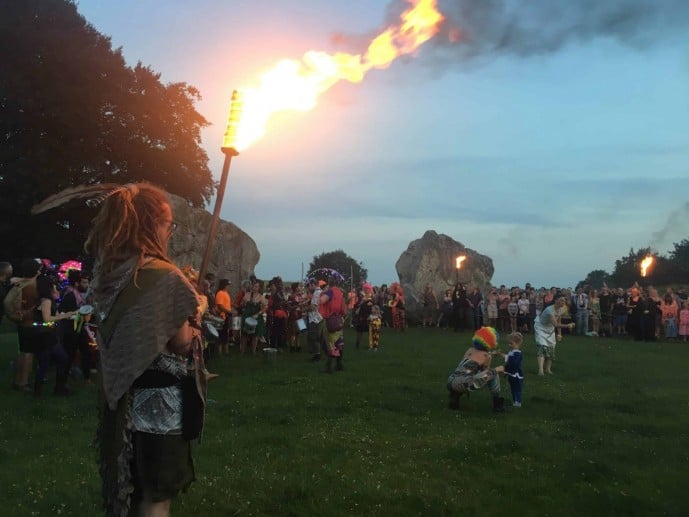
(315, 320)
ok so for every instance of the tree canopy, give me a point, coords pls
(72, 112)
(353, 271)
(666, 270)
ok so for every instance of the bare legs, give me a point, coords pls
(544, 365)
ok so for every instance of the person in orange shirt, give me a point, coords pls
(223, 308)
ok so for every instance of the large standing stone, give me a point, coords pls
(234, 255)
(431, 260)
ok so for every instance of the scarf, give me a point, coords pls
(138, 319)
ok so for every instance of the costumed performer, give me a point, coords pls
(474, 372)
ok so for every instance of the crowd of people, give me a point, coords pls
(151, 318)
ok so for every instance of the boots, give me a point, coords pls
(328, 365)
(454, 400)
(498, 404)
(338, 365)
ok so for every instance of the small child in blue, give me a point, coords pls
(513, 367)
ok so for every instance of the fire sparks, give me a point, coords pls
(459, 260)
(295, 84)
(645, 264)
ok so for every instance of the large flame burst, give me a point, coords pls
(295, 84)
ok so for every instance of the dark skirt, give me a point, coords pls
(162, 466)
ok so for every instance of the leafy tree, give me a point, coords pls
(596, 279)
(627, 269)
(680, 257)
(338, 260)
(72, 112)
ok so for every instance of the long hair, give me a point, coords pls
(126, 226)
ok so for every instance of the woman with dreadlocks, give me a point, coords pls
(151, 361)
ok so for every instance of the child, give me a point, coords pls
(375, 321)
(513, 367)
(684, 321)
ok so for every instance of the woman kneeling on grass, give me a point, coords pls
(545, 330)
(474, 371)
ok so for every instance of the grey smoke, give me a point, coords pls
(530, 27)
(676, 224)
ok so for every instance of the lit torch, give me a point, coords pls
(645, 264)
(458, 264)
(229, 149)
(294, 84)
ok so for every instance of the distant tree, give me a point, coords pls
(338, 260)
(72, 112)
(627, 269)
(680, 258)
(595, 279)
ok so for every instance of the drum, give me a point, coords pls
(250, 325)
(236, 322)
(301, 325)
(211, 331)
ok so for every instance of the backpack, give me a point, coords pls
(15, 304)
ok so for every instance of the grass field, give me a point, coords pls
(607, 434)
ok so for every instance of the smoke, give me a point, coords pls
(676, 224)
(475, 28)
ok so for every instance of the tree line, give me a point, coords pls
(670, 269)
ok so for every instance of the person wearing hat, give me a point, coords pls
(474, 372)
(314, 320)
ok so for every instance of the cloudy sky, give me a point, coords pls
(552, 137)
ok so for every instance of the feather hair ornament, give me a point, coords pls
(94, 194)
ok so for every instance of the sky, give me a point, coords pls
(553, 136)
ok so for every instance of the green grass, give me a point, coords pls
(607, 433)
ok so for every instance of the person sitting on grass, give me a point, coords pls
(513, 367)
(474, 371)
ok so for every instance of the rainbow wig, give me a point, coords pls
(485, 338)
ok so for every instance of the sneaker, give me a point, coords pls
(517, 404)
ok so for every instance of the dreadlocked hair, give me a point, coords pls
(126, 225)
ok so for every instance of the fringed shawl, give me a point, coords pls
(145, 315)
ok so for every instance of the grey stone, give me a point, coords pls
(431, 260)
(234, 255)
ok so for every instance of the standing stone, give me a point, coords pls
(431, 260)
(234, 255)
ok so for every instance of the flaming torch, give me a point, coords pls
(645, 264)
(458, 264)
(294, 84)
(229, 149)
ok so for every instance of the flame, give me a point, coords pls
(295, 84)
(645, 264)
(459, 261)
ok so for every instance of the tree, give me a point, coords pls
(72, 112)
(595, 279)
(627, 269)
(680, 258)
(353, 271)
